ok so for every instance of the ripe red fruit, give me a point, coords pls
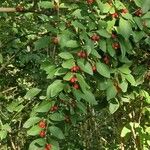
(20, 8)
(116, 45)
(94, 69)
(73, 79)
(106, 59)
(76, 86)
(115, 15)
(54, 108)
(42, 124)
(124, 11)
(75, 68)
(83, 54)
(55, 40)
(79, 54)
(138, 12)
(95, 37)
(48, 147)
(42, 133)
(113, 36)
(90, 1)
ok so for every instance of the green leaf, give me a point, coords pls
(57, 117)
(60, 71)
(113, 106)
(68, 63)
(139, 2)
(104, 33)
(131, 79)
(139, 22)
(84, 86)
(66, 55)
(1, 59)
(46, 4)
(44, 106)
(6, 127)
(85, 66)
(110, 49)
(72, 44)
(35, 130)
(103, 69)
(138, 35)
(33, 145)
(42, 43)
(124, 28)
(95, 53)
(146, 16)
(3, 134)
(56, 132)
(82, 107)
(56, 87)
(124, 86)
(68, 76)
(111, 92)
(110, 25)
(100, 5)
(125, 131)
(32, 93)
(31, 121)
(102, 45)
(89, 97)
(124, 69)
(77, 24)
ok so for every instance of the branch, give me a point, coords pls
(8, 10)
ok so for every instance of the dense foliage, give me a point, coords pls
(75, 75)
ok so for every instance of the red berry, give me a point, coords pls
(83, 54)
(90, 1)
(76, 86)
(79, 54)
(95, 37)
(20, 8)
(42, 133)
(94, 69)
(106, 59)
(42, 124)
(48, 146)
(55, 40)
(75, 68)
(54, 108)
(138, 12)
(73, 79)
(116, 45)
(113, 36)
(114, 15)
(124, 11)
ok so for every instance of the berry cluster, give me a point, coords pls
(115, 15)
(116, 45)
(54, 108)
(48, 147)
(95, 37)
(42, 124)
(90, 1)
(75, 69)
(138, 12)
(82, 54)
(73, 80)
